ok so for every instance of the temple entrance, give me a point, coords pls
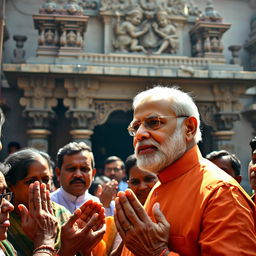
(112, 138)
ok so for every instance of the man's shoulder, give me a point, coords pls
(55, 193)
(92, 197)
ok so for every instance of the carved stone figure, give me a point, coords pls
(19, 52)
(167, 32)
(174, 7)
(148, 7)
(128, 32)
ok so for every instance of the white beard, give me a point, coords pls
(166, 154)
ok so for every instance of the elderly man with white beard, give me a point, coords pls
(195, 208)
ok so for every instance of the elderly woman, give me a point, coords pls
(45, 225)
(27, 167)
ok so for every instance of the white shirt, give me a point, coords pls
(69, 201)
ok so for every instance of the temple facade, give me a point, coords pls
(70, 69)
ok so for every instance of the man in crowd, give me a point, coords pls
(75, 170)
(114, 169)
(252, 168)
(207, 211)
(227, 162)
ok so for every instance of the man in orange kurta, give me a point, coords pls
(196, 208)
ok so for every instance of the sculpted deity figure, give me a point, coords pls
(166, 31)
(128, 32)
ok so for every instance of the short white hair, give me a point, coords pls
(180, 102)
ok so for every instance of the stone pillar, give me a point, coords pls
(38, 138)
(223, 140)
(80, 92)
(108, 31)
(82, 135)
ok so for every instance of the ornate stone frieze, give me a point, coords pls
(147, 31)
(149, 7)
(103, 108)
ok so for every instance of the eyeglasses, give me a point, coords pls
(7, 196)
(151, 123)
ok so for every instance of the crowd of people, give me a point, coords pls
(165, 199)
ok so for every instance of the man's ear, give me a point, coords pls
(190, 128)
(93, 172)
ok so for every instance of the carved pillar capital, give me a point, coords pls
(225, 121)
(38, 100)
(38, 118)
(81, 119)
(38, 138)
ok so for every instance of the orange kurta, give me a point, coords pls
(209, 212)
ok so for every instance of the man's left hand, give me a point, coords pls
(140, 234)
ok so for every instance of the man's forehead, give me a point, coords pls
(147, 108)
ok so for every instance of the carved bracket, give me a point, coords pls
(82, 119)
(38, 118)
(104, 108)
(225, 121)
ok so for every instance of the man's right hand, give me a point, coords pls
(83, 231)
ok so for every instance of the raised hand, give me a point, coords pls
(139, 233)
(83, 231)
(38, 222)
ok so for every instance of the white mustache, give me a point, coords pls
(146, 142)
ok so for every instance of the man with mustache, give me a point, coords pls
(252, 168)
(75, 171)
(206, 212)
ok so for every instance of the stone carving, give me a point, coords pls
(72, 8)
(128, 32)
(149, 7)
(116, 5)
(207, 33)
(210, 14)
(48, 37)
(225, 121)
(104, 108)
(19, 52)
(154, 34)
(250, 44)
(193, 9)
(167, 32)
(71, 39)
(49, 7)
(81, 119)
(174, 7)
(235, 54)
